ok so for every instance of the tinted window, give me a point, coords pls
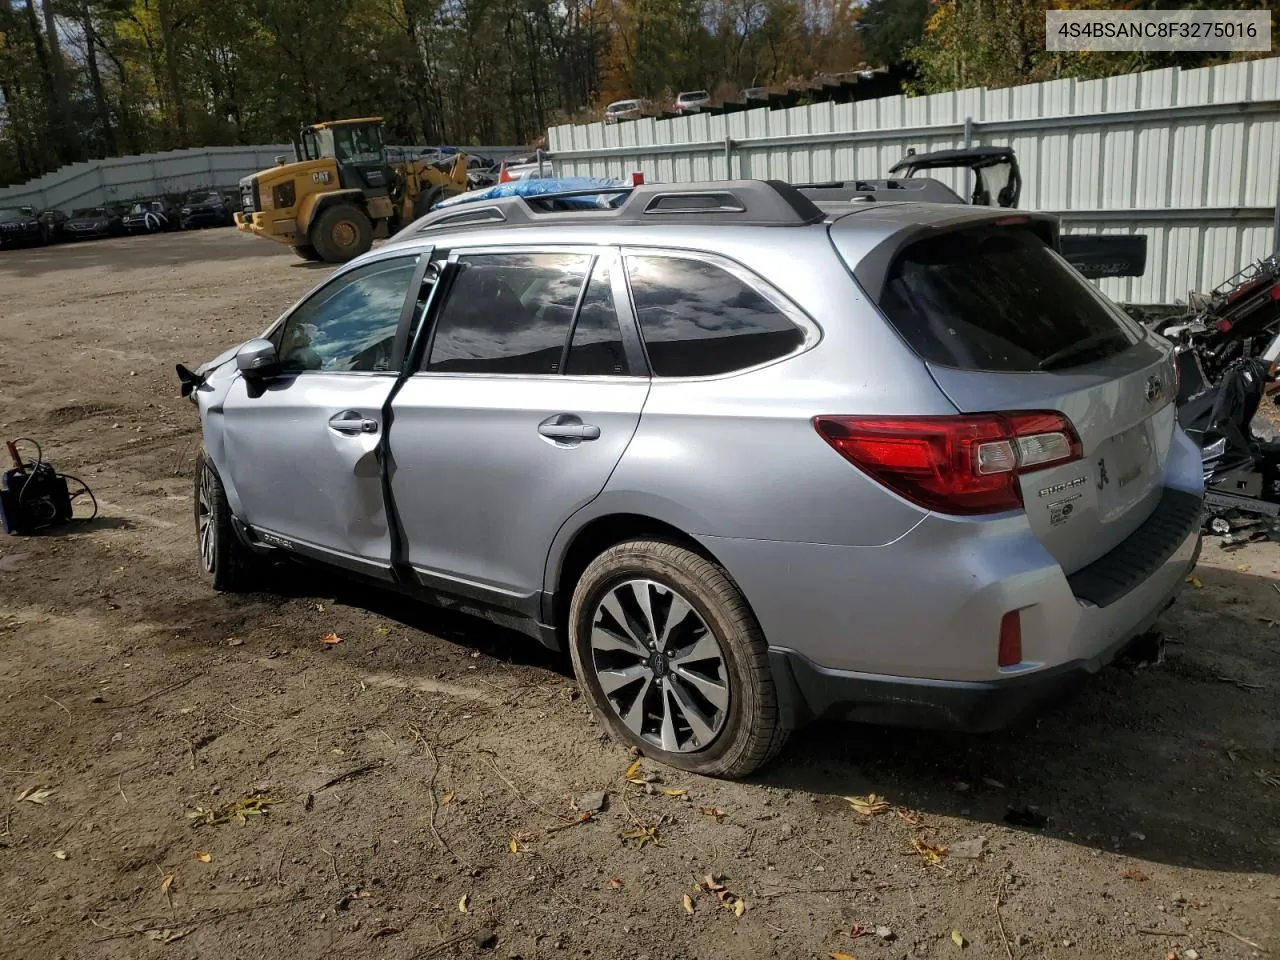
(698, 319)
(1000, 299)
(597, 340)
(350, 324)
(508, 313)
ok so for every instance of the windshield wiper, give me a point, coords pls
(1075, 350)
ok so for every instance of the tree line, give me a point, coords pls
(92, 78)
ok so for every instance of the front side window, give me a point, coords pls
(508, 313)
(698, 319)
(350, 324)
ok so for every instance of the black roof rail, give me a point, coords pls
(919, 189)
(765, 203)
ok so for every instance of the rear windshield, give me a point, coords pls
(993, 298)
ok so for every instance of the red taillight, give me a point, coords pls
(962, 465)
(1274, 292)
(1010, 639)
(1224, 326)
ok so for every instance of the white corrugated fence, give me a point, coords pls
(1189, 158)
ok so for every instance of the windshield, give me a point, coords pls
(989, 298)
(91, 212)
(695, 95)
(203, 198)
(13, 213)
(622, 105)
(357, 144)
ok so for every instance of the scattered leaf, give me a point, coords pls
(843, 956)
(632, 770)
(857, 930)
(513, 845)
(331, 638)
(36, 794)
(958, 938)
(615, 883)
(868, 806)
(688, 903)
(167, 935)
(641, 834)
(930, 853)
(713, 812)
(234, 642)
(739, 907)
(447, 798)
(203, 857)
(462, 902)
(1242, 567)
(1194, 581)
(674, 792)
(910, 817)
(237, 810)
(167, 882)
(1135, 875)
(337, 751)
(60, 854)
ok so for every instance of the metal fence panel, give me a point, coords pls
(1189, 158)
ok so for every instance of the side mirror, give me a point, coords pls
(257, 359)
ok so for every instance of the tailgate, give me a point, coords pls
(1122, 409)
(1004, 324)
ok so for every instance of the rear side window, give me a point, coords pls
(698, 319)
(508, 313)
(1001, 300)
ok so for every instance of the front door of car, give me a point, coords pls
(526, 395)
(302, 448)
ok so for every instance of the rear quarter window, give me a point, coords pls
(699, 319)
(1000, 299)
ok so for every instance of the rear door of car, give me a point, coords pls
(527, 392)
(1004, 324)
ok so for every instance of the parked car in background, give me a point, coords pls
(959, 486)
(755, 93)
(691, 101)
(91, 222)
(205, 208)
(21, 227)
(151, 216)
(621, 110)
(53, 222)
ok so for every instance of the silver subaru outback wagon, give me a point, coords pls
(752, 460)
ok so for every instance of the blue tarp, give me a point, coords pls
(541, 187)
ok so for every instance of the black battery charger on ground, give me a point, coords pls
(35, 496)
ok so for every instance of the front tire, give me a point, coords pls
(225, 561)
(306, 251)
(672, 659)
(341, 233)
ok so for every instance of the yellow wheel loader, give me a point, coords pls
(342, 191)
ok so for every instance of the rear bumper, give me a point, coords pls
(807, 691)
(907, 633)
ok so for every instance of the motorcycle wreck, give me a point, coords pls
(1228, 361)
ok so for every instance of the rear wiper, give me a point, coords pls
(1079, 349)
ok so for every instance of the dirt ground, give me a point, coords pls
(427, 769)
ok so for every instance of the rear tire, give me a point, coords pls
(702, 699)
(306, 251)
(341, 233)
(226, 563)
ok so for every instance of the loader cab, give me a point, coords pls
(997, 181)
(356, 147)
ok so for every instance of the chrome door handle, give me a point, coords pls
(351, 424)
(567, 426)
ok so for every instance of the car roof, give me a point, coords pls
(678, 215)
